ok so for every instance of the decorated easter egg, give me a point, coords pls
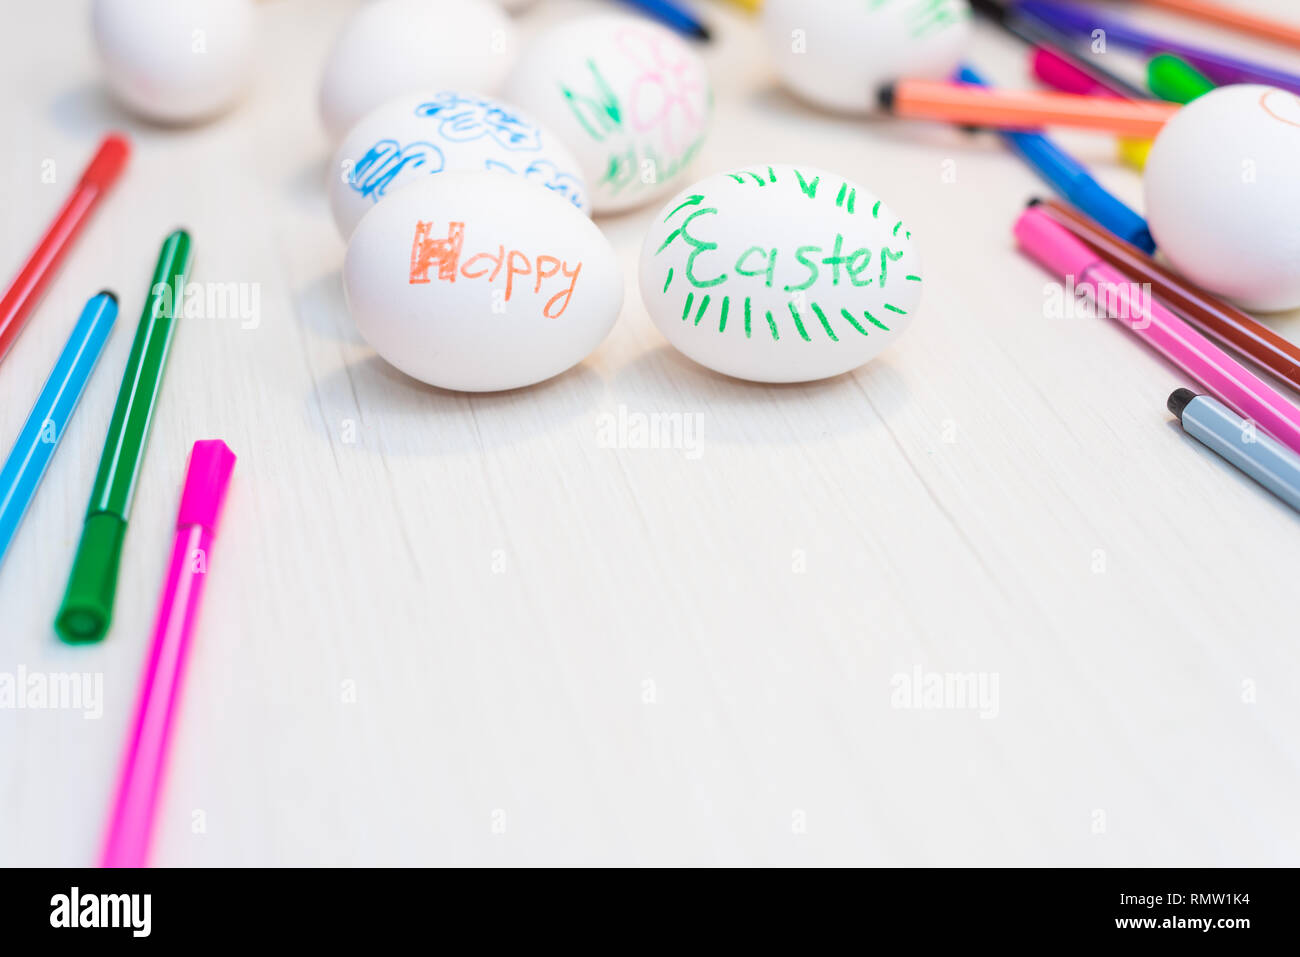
(390, 47)
(839, 53)
(628, 96)
(175, 62)
(779, 273)
(477, 282)
(422, 134)
(1223, 196)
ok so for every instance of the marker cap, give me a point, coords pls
(211, 463)
(87, 608)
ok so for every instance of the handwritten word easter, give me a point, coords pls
(444, 253)
(801, 269)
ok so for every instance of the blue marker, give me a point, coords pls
(32, 452)
(1221, 430)
(670, 14)
(1072, 180)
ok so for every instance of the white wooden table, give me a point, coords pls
(453, 629)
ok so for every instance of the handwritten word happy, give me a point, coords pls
(445, 253)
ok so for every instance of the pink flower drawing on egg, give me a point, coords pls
(668, 93)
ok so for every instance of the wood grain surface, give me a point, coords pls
(451, 629)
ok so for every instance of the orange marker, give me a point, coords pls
(1022, 109)
(1239, 20)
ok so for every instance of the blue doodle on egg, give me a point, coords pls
(465, 118)
(386, 159)
(546, 174)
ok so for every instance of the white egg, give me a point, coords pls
(175, 62)
(420, 134)
(479, 282)
(839, 53)
(516, 6)
(628, 96)
(779, 273)
(1223, 194)
(390, 47)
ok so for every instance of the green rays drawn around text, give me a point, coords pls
(704, 305)
(821, 316)
(798, 323)
(701, 310)
(853, 322)
(668, 282)
(693, 200)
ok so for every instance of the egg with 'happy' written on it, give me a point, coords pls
(421, 134)
(779, 273)
(479, 282)
(627, 96)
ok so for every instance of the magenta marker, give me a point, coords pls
(131, 827)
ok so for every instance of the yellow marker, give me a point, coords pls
(1134, 152)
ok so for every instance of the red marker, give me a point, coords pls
(26, 289)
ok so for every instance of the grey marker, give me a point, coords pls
(1212, 423)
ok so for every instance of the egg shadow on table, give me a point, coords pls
(322, 309)
(307, 186)
(89, 109)
(739, 412)
(399, 416)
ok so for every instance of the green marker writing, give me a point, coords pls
(87, 608)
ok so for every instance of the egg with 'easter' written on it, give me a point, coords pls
(422, 134)
(628, 96)
(839, 53)
(779, 273)
(480, 282)
(1223, 194)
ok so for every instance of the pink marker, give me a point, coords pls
(141, 775)
(1128, 301)
(1056, 71)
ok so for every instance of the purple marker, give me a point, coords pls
(1072, 19)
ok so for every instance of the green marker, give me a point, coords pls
(1175, 80)
(87, 606)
